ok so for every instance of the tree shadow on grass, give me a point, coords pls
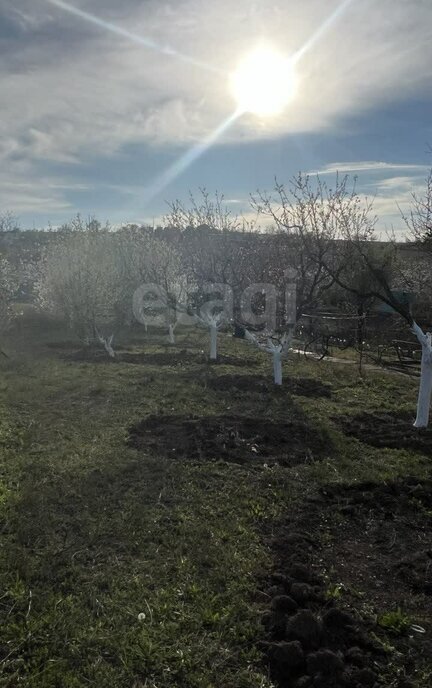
(304, 387)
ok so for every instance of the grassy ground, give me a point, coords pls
(122, 567)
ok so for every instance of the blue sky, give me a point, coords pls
(91, 118)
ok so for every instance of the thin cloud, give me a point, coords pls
(106, 92)
(389, 185)
(76, 92)
(368, 166)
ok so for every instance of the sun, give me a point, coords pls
(264, 82)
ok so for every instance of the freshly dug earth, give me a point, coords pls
(373, 544)
(168, 358)
(304, 387)
(393, 430)
(233, 438)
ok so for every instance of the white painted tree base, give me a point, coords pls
(171, 336)
(425, 390)
(277, 367)
(213, 343)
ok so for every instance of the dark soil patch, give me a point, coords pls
(162, 358)
(305, 387)
(388, 429)
(375, 542)
(231, 438)
(308, 387)
(237, 361)
(238, 383)
(390, 525)
(94, 355)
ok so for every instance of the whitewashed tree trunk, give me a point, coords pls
(108, 348)
(107, 344)
(171, 336)
(278, 348)
(213, 342)
(277, 367)
(425, 390)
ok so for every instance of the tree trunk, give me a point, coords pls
(425, 390)
(213, 342)
(171, 337)
(277, 367)
(360, 335)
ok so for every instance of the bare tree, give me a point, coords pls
(145, 259)
(8, 222)
(81, 224)
(419, 218)
(216, 245)
(356, 251)
(306, 216)
(8, 287)
(205, 212)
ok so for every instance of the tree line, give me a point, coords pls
(87, 273)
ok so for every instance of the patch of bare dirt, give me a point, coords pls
(160, 358)
(231, 438)
(388, 429)
(372, 542)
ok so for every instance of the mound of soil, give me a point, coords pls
(374, 541)
(304, 387)
(232, 438)
(389, 525)
(393, 430)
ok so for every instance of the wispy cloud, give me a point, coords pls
(391, 186)
(75, 91)
(84, 87)
(371, 166)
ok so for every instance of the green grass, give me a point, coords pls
(95, 534)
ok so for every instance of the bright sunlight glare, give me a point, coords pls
(264, 82)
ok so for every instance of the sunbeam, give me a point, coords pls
(188, 158)
(135, 38)
(185, 160)
(321, 30)
(194, 153)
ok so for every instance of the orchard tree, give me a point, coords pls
(8, 287)
(146, 261)
(382, 290)
(79, 281)
(80, 224)
(9, 222)
(277, 347)
(204, 212)
(419, 219)
(295, 254)
(216, 245)
(356, 252)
